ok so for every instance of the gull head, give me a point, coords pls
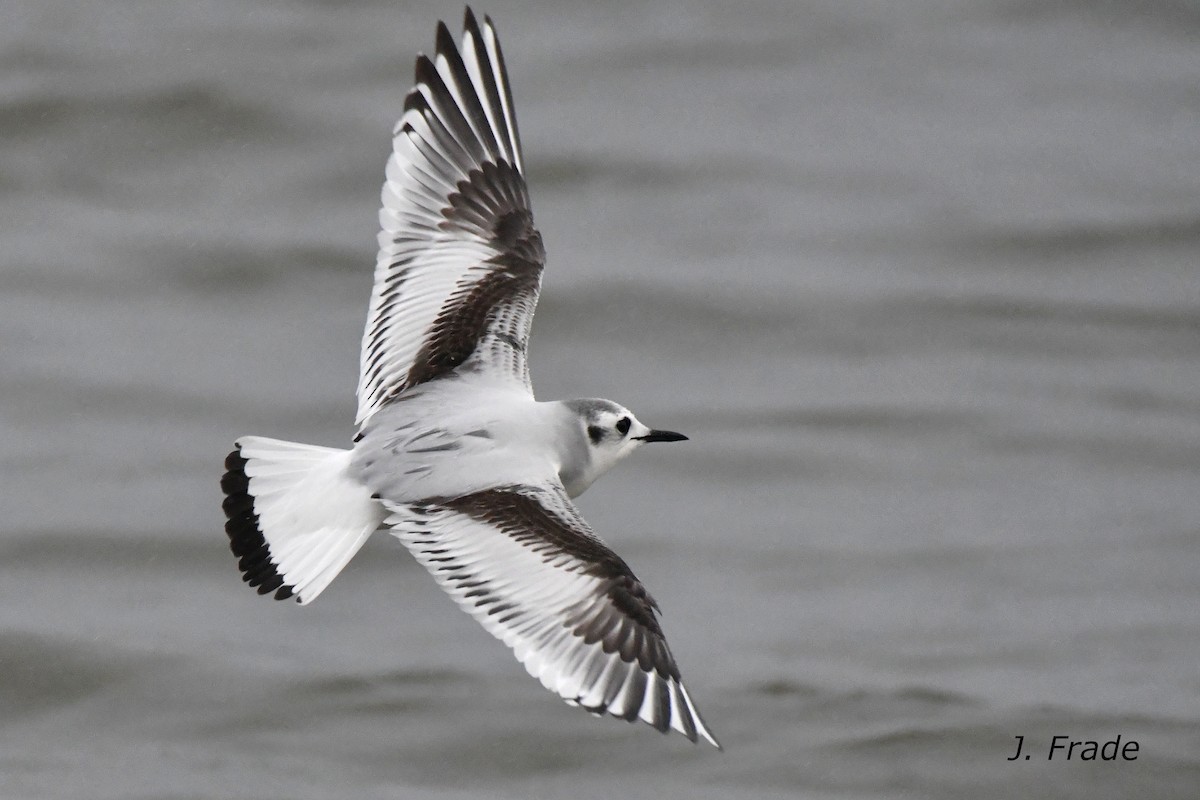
(604, 433)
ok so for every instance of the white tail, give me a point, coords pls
(295, 517)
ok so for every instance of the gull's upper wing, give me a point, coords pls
(522, 561)
(460, 263)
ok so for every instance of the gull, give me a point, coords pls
(454, 456)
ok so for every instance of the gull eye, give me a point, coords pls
(623, 425)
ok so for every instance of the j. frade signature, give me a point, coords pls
(1067, 749)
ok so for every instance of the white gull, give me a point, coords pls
(454, 456)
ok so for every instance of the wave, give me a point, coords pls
(182, 116)
(42, 673)
(1082, 238)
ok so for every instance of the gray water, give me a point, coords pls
(921, 280)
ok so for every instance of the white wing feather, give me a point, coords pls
(459, 262)
(526, 566)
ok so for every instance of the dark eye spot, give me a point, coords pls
(595, 433)
(623, 425)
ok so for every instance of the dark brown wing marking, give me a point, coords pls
(491, 205)
(521, 517)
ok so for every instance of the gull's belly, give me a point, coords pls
(441, 444)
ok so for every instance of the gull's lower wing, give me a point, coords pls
(522, 562)
(460, 263)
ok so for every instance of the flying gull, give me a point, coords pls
(454, 457)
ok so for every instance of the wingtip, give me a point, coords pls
(707, 734)
(697, 720)
(469, 21)
(445, 40)
(422, 69)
